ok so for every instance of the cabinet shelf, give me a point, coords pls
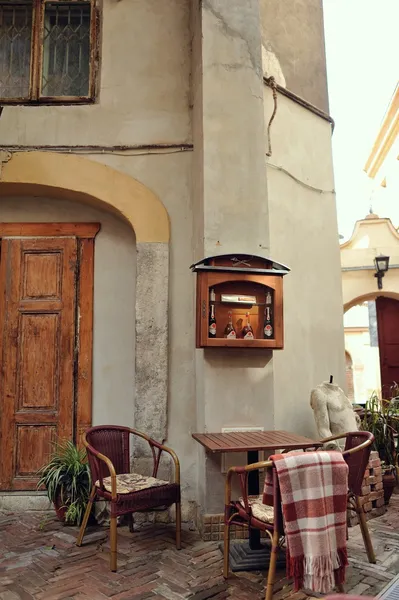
(241, 343)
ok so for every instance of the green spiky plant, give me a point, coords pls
(383, 422)
(66, 478)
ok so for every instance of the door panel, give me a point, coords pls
(37, 321)
(388, 342)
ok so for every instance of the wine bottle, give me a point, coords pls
(268, 320)
(212, 322)
(268, 326)
(229, 331)
(247, 331)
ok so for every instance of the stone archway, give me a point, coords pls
(76, 178)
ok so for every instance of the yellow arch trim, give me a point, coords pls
(77, 178)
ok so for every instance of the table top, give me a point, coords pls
(245, 441)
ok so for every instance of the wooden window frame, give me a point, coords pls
(36, 57)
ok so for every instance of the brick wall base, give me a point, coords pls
(372, 498)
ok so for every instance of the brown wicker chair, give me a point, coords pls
(251, 513)
(108, 451)
(357, 454)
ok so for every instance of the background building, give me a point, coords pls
(372, 316)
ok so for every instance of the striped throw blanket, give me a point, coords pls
(313, 487)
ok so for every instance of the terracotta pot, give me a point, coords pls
(60, 509)
(389, 482)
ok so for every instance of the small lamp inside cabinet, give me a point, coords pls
(239, 301)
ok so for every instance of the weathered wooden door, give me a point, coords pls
(388, 341)
(38, 281)
(46, 284)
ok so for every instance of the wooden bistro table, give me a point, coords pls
(252, 555)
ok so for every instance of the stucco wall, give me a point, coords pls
(144, 84)
(114, 292)
(293, 40)
(304, 235)
(169, 176)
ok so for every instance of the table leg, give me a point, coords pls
(253, 490)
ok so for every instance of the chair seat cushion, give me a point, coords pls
(127, 483)
(260, 511)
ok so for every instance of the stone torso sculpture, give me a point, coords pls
(333, 411)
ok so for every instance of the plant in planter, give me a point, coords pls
(66, 477)
(382, 420)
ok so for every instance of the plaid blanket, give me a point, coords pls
(313, 487)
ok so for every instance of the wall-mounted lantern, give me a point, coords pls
(381, 266)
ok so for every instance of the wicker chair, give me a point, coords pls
(252, 513)
(108, 451)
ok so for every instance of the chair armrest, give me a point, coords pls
(161, 448)
(242, 472)
(333, 438)
(107, 461)
(355, 449)
(173, 454)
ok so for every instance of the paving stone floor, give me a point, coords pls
(38, 560)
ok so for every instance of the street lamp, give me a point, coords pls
(381, 266)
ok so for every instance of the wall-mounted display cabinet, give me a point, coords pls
(239, 302)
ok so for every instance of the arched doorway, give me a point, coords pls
(76, 179)
(372, 336)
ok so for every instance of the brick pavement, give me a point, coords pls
(39, 560)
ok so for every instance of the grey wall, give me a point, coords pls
(293, 37)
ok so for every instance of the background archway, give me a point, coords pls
(376, 359)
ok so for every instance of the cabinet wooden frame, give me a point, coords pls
(208, 280)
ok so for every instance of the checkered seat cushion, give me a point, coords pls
(127, 483)
(260, 511)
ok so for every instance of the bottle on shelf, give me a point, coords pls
(212, 295)
(229, 331)
(247, 331)
(268, 329)
(212, 322)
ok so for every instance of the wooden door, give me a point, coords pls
(38, 284)
(388, 342)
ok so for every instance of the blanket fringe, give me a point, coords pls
(318, 573)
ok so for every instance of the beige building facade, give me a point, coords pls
(170, 158)
(372, 237)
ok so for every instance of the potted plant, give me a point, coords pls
(382, 420)
(66, 478)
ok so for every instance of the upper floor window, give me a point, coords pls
(47, 51)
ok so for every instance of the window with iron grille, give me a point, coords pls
(47, 51)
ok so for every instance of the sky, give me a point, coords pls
(362, 46)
